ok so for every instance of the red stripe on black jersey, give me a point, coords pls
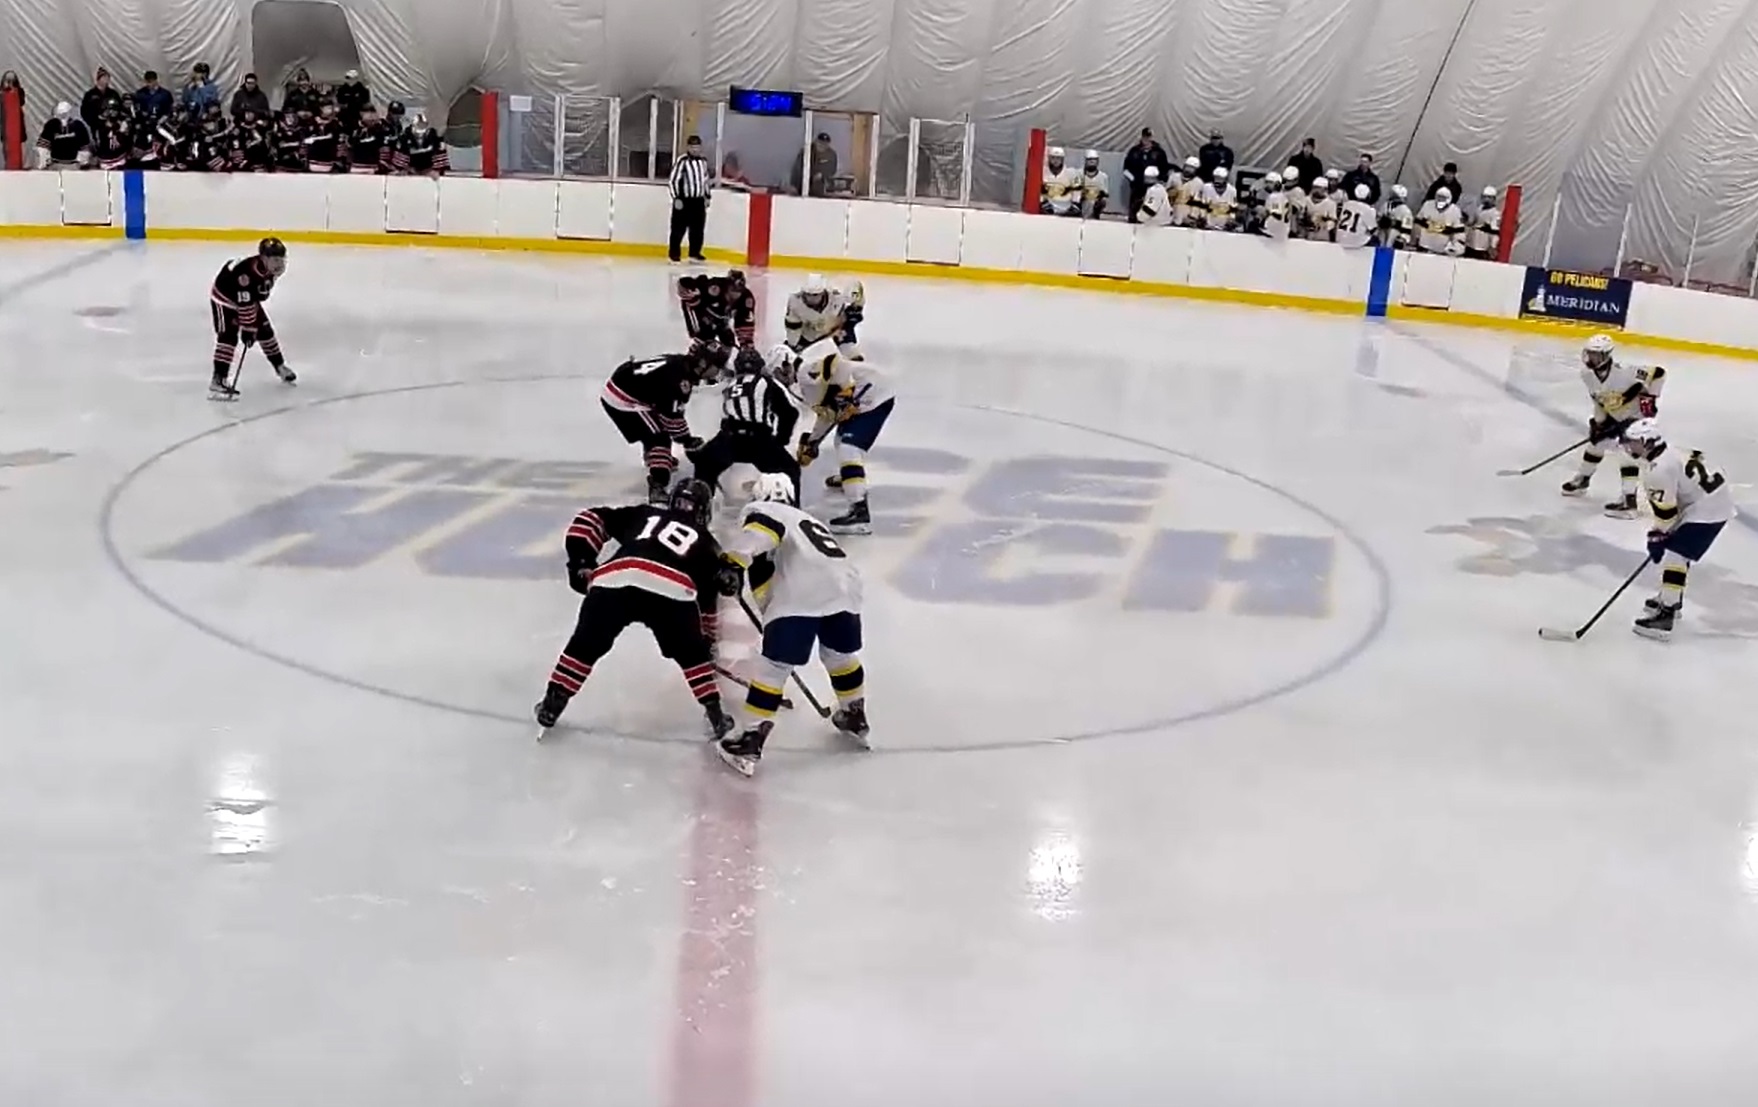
(652, 568)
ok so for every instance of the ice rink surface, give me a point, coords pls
(1217, 759)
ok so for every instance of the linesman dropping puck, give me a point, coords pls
(689, 199)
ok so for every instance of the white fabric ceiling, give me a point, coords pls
(1639, 104)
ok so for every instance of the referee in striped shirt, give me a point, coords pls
(689, 199)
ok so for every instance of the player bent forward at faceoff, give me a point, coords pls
(240, 290)
(667, 573)
(1621, 394)
(853, 399)
(646, 401)
(810, 591)
(1691, 503)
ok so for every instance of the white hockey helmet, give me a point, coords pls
(63, 110)
(1362, 192)
(1151, 173)
(1192, 164)
(1443, 196)
(1597, 353)
(1320, 184)
(1400, 193)
(1645, 435)
(1273, 177)
(814, 290)
(1489, 192)
(1335, 176)
(817, 356)
(1056, 152)
(772, 487)
(1220, 173)
(781, 363)
(1291, 174)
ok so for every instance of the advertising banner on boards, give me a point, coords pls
(1576, 297)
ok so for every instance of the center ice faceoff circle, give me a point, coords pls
(1029, 581)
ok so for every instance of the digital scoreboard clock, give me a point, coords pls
(763, 101)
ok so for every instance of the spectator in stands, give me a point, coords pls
(1214, 154)
(1307, 162)
(732, 175)
(152, 101)
(823, 168)
(199, 92)
(299, 97)
(99, 100)
(1143, 154)
(1363, 174)
(250, 97)
(352, 98)
(1449, 180)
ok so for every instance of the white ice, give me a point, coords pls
(278, 834)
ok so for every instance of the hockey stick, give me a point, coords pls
(1557, 634)
(751, 614)
(1535, 468)
(743, 683)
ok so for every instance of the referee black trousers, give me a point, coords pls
(690, 216)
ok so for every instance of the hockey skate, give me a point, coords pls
(852, 721)
(833, 481)
(287, 375)
(1624, 508)
(1652, 605)
(1576, 485)
(743, 751)
(221, 389)
(1658, 625)
(856, 521)
(548, 711)
(719, 723)
(659, 492)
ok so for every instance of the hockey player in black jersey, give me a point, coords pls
(756, 427)
(719, 309)
(238, 295)
(668, 574)
(369, 147)
(646, 401)
(65, 141)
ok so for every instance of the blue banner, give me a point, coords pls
(1576, 297)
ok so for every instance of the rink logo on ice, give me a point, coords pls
(1547, 545)
(1029, 531)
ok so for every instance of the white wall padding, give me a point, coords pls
(1645, 106)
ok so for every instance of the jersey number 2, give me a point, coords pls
(820, 537)
(674, 536)
(1699, 472)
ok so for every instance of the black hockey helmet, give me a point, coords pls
(711, 359)
(748, 362)
(736, 278)
(273, 253)
(693, 499)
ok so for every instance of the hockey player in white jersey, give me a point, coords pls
(1691, 504)
(1156, 203)
(1219, 201)
(1321, 211)
(1621, 395)
(1275, 217)
(1188, 193)
(1485, 235)
(810, 592)
(1398, 224)
(1442, 225)
(852, 400)
(1357, 221)
(818, 311)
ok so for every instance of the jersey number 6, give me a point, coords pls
(820, 537)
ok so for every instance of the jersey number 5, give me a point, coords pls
(820, 537)
(1699, 472)
(674, 536)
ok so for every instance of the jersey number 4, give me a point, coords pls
(674, 536)
(1706, 478)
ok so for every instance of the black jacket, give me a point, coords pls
(1310, 167)
(96, 102)
(248, 99)
(1451, 184)
(352, 97)
(1367, 177)
(1138, 159)
(1213, 156)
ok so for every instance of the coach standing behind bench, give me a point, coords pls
(689, 199)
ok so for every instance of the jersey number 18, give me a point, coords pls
(674, 536)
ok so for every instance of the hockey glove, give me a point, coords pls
(1657, 543)
(1600, 429)
(729, 578)
(580, 575)
(247, 338)
(690, 443)
(1647, 406)
(808, 451)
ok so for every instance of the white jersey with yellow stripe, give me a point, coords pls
(813, 575)
(806, 325)
(838, 386)
(1683, 488)
(1619, 394)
